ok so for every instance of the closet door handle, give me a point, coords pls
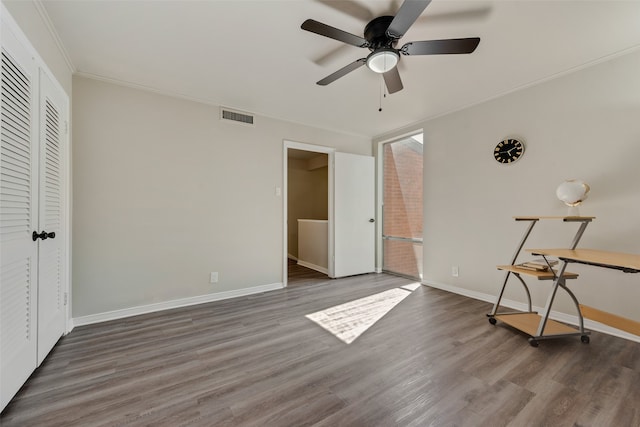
(44, 235)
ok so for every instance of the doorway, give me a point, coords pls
(308, 209)
(351, 211)
(402, 207)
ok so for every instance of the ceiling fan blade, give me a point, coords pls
(441, 47)
(342, 72)
(333, 33)
(406, 16)
(392, 80)
(351, 8)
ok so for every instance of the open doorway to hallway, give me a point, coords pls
(402, 206)
(307, 215)
(350, 212)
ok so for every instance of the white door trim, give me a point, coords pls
(317, 149)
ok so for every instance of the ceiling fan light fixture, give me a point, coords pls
(382, 60)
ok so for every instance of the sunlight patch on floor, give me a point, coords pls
(350, 320)
(411, 286)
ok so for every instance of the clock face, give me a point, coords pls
(508, 151)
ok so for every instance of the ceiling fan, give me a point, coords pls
(381, 36)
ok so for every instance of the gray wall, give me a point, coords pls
(165, 193)
(583, 125)
(308, 192)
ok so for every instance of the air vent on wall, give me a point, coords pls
(236, 116)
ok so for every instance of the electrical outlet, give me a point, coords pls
(214, 277)
(455, 272)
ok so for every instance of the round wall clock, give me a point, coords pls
(508, 151)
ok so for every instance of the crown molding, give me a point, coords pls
(42, 11)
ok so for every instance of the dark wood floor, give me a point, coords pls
(433, 360)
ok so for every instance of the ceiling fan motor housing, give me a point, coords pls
(376, 33)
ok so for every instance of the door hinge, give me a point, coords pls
(66, 127)
(66, 298)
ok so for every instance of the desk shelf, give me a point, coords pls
(539, 326)
(529, 322)
(540, 275)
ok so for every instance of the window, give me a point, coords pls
(402, 207)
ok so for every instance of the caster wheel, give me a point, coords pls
(584, 339)
(533, 343)
(492, 321)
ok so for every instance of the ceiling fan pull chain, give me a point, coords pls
(381, 94)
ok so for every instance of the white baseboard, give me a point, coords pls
(313, 267)
(183, 302)
(520, 306)
(291, 257)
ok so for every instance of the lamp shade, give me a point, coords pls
(573, 192)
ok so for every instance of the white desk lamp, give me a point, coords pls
(573, 192)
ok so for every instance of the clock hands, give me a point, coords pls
(508, 150)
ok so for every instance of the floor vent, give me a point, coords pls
(236, 116)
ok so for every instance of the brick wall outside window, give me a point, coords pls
(402, 212)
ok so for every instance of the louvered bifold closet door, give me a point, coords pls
(18, 215)
(51, 307)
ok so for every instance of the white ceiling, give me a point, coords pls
(253, 56)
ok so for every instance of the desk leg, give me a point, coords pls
(579, 233)
(525, 236)
(585, 334)
(494, 310)
(559, 281)
(526, 290)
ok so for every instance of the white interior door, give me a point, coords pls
(354, 207)
(51, 304)
(18, 217)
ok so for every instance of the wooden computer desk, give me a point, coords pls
(530, 322)
(628, 263)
